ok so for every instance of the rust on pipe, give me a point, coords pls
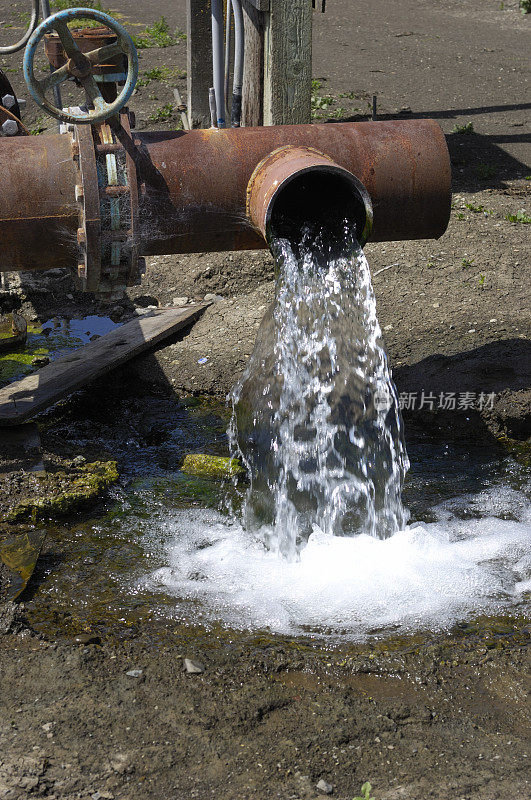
(38, 210)
(192, 186)
(194, 183)
(305, 177)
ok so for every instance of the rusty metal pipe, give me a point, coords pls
(300, 182)
(38, 209)
(193, 194)
(193, 186)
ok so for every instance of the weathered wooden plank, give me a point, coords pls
(199, 61)
(288, 63)
(253, 75)
(24, 398)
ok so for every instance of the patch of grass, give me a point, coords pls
(62, 5)
(365, 792)
(467, 262)
(38, 126)
(158, 35)
(485, 171)
(162, 113)
(163, 74)
(464, 129)
(481, 282)
(339, 113)
(477, 209)
(460, 215)
(525, 6)
(520, 216)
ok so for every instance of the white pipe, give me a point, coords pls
(239, 44)
(228, 20)
(218, 59)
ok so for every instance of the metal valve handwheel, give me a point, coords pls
(80, 65)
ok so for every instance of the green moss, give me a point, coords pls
(204, 466)
(86, 484)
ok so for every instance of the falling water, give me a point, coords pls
(316, 418)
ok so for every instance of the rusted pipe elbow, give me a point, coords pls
(300, 184)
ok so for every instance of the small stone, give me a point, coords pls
(472, 330)
(212, 298)
(388, 328)
(405, 110)
(179, 301)
(122, 763)
(78, 461)
(324, 787)
(436, 305)
(134, 673)
(69, 296)
(86, 638)
(193, 667)
(40, 361)
(47, 727)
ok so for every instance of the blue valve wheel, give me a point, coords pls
(80, 65)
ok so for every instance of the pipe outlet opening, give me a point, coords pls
(295, 188)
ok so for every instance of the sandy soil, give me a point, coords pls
(433, 716)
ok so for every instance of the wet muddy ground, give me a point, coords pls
(441, 715)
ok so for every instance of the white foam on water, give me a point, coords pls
(426, 576)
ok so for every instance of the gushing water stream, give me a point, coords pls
(322, 544)
(316, 414)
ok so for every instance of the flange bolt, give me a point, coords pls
(8, 101)
(10, 127)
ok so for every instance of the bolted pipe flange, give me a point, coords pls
(107, 196)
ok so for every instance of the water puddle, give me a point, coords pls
(54, 338)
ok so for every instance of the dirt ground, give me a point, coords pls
(439, 716)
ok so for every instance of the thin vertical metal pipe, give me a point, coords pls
(228, 20)
(218, 59)
(239, 44)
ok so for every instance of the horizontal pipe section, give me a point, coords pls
(38, 210)
(193, 186)
(193, 197)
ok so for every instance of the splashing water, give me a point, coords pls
(316, 415)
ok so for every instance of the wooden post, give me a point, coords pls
(199, 61)
(278, 58)
(288, 63)
(253, 73)
(278, 62)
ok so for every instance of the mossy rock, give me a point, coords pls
(205, 466)
(84, 484)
